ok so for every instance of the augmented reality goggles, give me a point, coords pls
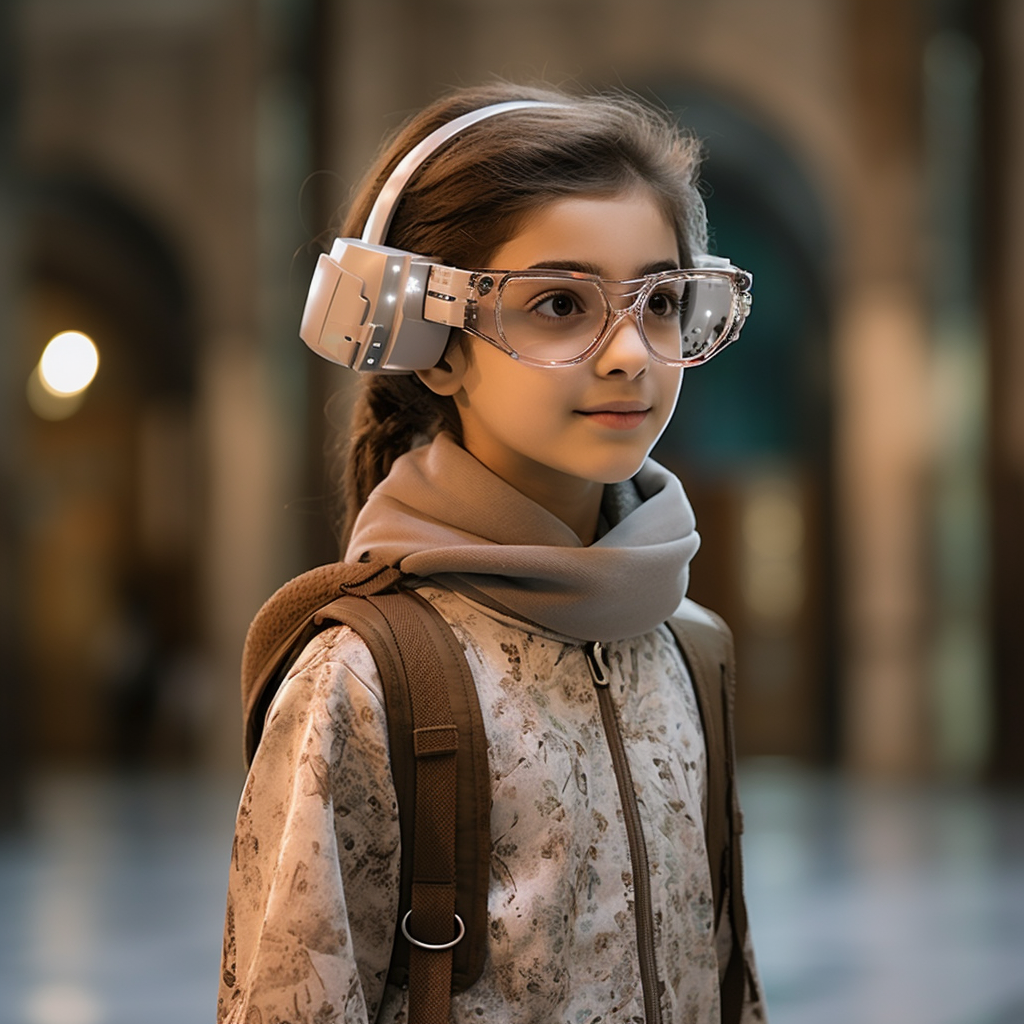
(560, 317)
(384, 310)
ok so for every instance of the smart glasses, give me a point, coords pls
(562, 317)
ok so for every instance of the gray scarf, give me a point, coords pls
(441, 513)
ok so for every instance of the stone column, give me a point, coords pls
(882, 403)
(1003, 267)
(11, 678)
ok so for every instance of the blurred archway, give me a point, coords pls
(752, 436)
(110, 558)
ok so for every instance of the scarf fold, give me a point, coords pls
(441, 513)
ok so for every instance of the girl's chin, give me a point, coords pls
(616, 474)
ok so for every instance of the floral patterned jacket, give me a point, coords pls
(314, 879)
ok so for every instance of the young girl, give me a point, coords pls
(509, 474)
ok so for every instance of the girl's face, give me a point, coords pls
(558, 434)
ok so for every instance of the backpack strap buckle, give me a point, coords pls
(431, 946)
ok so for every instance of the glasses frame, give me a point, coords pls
(456, 296)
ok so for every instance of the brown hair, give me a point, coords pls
(471, 197)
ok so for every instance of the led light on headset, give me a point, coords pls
(365, 309)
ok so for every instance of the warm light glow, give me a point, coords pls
(773, 524)
(48, 404)
(69, 363)
(773, 535)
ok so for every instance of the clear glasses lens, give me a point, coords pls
(550, 318)
(684, 318)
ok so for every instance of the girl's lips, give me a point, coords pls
(618, 416)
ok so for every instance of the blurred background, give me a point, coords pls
(856, 462)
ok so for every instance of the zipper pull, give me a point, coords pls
(594, 653)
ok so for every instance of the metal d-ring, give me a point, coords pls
(427, 945)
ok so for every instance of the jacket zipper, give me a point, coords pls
(634, 834)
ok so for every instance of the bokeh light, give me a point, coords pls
(69, 363)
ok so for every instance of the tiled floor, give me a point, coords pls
(869, 905)
(885, 905)
(113, 902)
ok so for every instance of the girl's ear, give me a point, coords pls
(446, 377)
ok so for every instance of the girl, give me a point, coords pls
(509, 473)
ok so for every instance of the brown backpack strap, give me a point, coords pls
(284, 625)
(472, 848)
(706, 644)
(438, 758)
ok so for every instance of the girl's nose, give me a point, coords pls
(623, 349)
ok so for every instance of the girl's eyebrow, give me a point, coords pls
(581, 267)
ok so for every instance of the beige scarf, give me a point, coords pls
(441, 513)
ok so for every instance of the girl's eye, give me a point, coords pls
(663, 304)
(558, 305)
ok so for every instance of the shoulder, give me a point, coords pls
(702, 633)
(690, 613)
(707, 646)
(334, 678)
(336, 653)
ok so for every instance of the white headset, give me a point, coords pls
(382, 310)
(365, 308)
